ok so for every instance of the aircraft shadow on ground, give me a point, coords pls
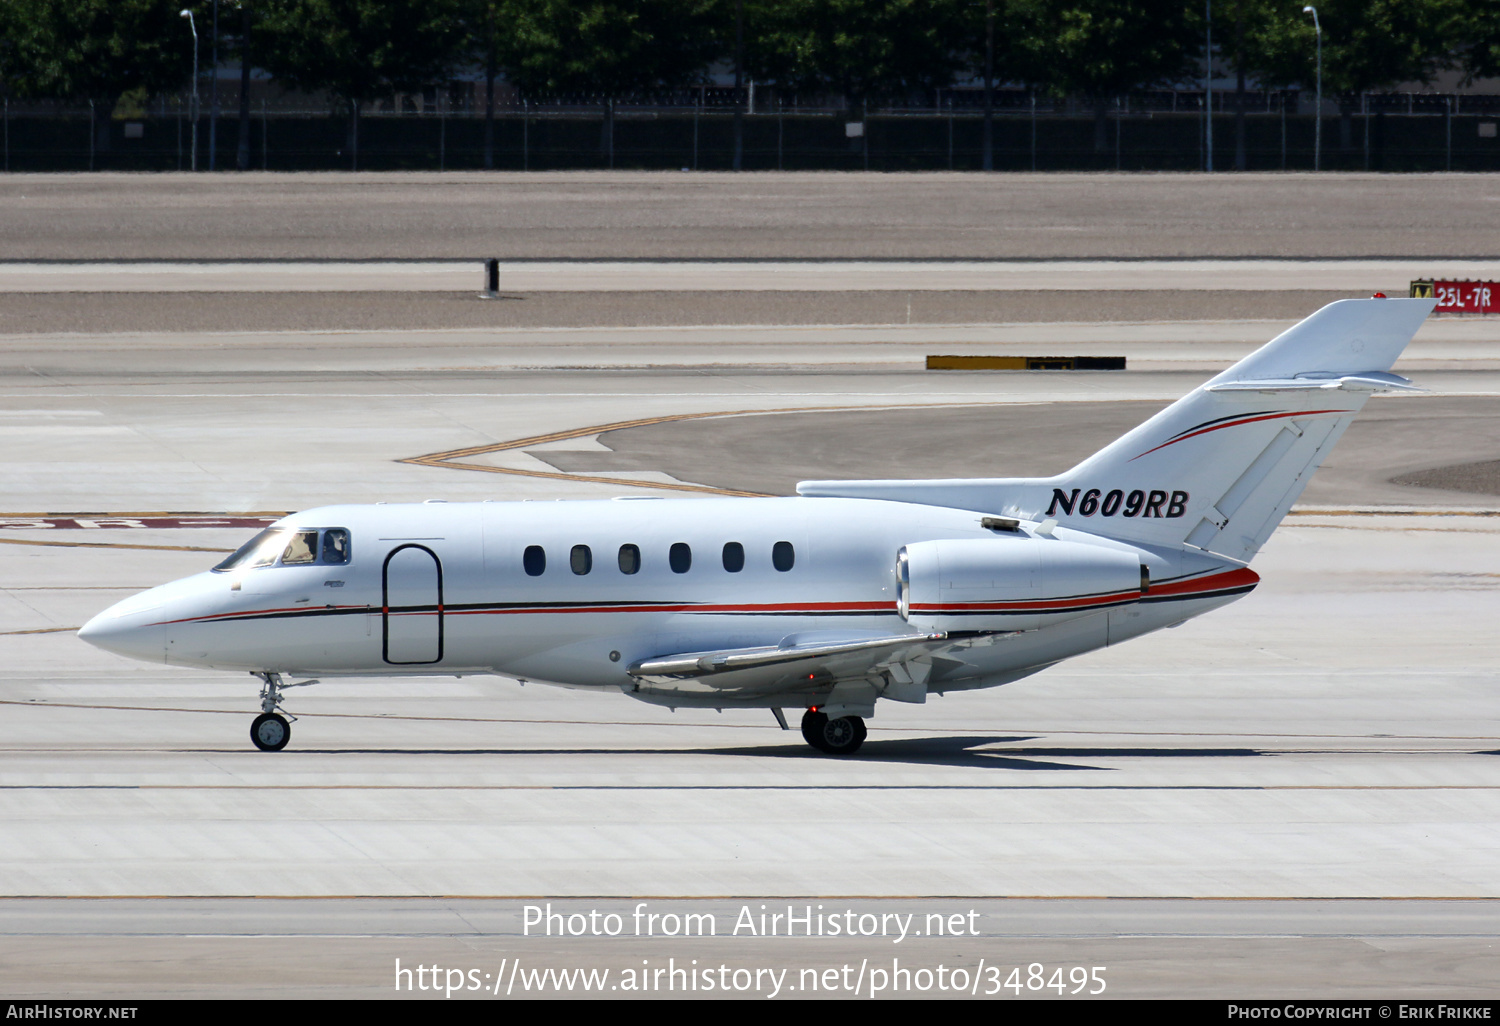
(975, 751)
(964, 750)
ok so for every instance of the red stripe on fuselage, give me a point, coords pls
(1242, 577)
(212, 617)
(1199, 586)
(853, 608)
(1239, 578)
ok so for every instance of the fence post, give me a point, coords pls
(1119, 126)
(1364, 113)
(950, 131)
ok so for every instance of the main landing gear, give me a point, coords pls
(271, 730)
(841, 735)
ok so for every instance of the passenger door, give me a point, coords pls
(412, 606)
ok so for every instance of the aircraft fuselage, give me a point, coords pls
(578, 593)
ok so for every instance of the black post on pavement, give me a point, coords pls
(491, 279)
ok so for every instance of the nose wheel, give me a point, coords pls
(841, 735)
(270, 731)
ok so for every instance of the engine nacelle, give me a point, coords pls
(1011, 583)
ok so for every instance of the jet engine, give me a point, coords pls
(1014, 584)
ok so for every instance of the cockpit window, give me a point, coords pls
(336, 546)
(261, 550)
(294, 547)
(303, 548)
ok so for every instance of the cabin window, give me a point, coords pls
(680, 558)
(534, 560)
(783, 556)
(581, 560)
(630, 559)
(734, 557)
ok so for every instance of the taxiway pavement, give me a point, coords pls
(781, 216)
(1332, 736)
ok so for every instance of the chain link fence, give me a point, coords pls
(1157, 132)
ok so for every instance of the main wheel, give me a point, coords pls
(841, 735)
(270, 732)
(812, 729)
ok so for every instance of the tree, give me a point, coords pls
(1367, 45)
(484, 27)
(96, 50)
(358, 50)
(1481, 31)
(1102, 49)
(611, 47)
(1235, 21)
(864, 49)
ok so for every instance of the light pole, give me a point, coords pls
(193, 108)
(1208, 87)
(213, 93)
(1318, 125)
(739, 82)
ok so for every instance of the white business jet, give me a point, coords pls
(849, 593)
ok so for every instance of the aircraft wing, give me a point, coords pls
(898, 666)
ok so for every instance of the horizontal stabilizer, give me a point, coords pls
(1368, 381)
(1350, 337)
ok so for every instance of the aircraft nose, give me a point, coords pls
(127, 628)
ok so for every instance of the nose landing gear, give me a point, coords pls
(841, 735)
(271, 730)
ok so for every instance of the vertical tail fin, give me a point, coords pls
(1219, 468)
(1232, 456)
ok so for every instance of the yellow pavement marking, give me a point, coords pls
(451, 459)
